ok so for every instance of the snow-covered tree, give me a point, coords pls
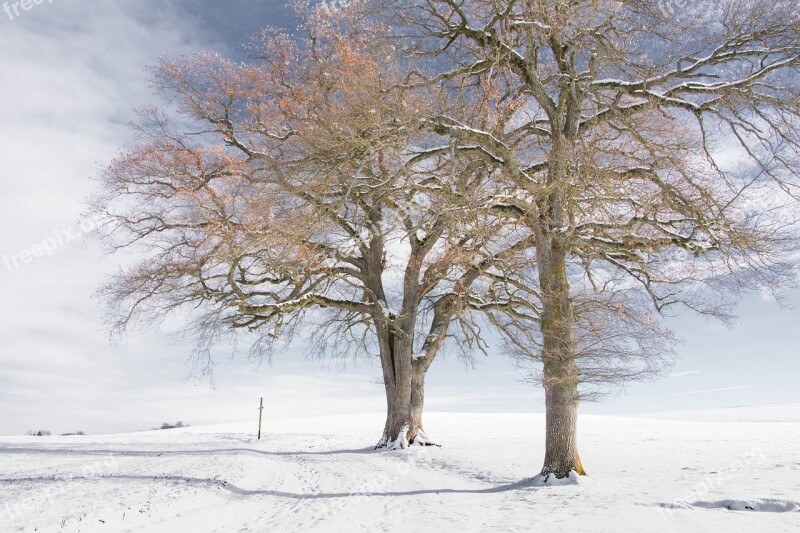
(653, 158)
(301, 192)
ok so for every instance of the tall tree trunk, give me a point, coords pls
(402, 424)
(419, 369)
(404, 376)
(404, 382)
(384, 440)
(561, 375)
(417, 394)
(561, 447)
(400, 428)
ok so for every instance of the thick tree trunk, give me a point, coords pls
(417, 394)
(399, 429)
(561, 447)
(561, 376)
(404, 375)
(384, 440)
(419, 368)
(405, 398)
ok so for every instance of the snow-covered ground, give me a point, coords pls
(682, 472)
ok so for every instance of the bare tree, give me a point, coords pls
(301, 190)
(654, 161)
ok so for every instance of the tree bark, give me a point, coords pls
(417, 395)
(404, 375)
(399, 429)
(561, 375)
(404, 382)
(561, 447)
(420, 368)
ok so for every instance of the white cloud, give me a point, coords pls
(72, 74)
(687, 373)
(705, 391)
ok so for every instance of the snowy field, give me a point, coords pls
(726, 470)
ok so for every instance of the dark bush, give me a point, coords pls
(178, 424)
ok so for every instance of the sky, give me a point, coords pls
(72, 74)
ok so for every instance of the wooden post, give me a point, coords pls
(260, 411)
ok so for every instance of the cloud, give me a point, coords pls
(704, 391)
(687, 373)
(73, 72)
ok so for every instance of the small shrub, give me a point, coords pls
(178, 424)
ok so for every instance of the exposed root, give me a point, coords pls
(383, 442)
(422, 439)
(549, 479)
(401, 442)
